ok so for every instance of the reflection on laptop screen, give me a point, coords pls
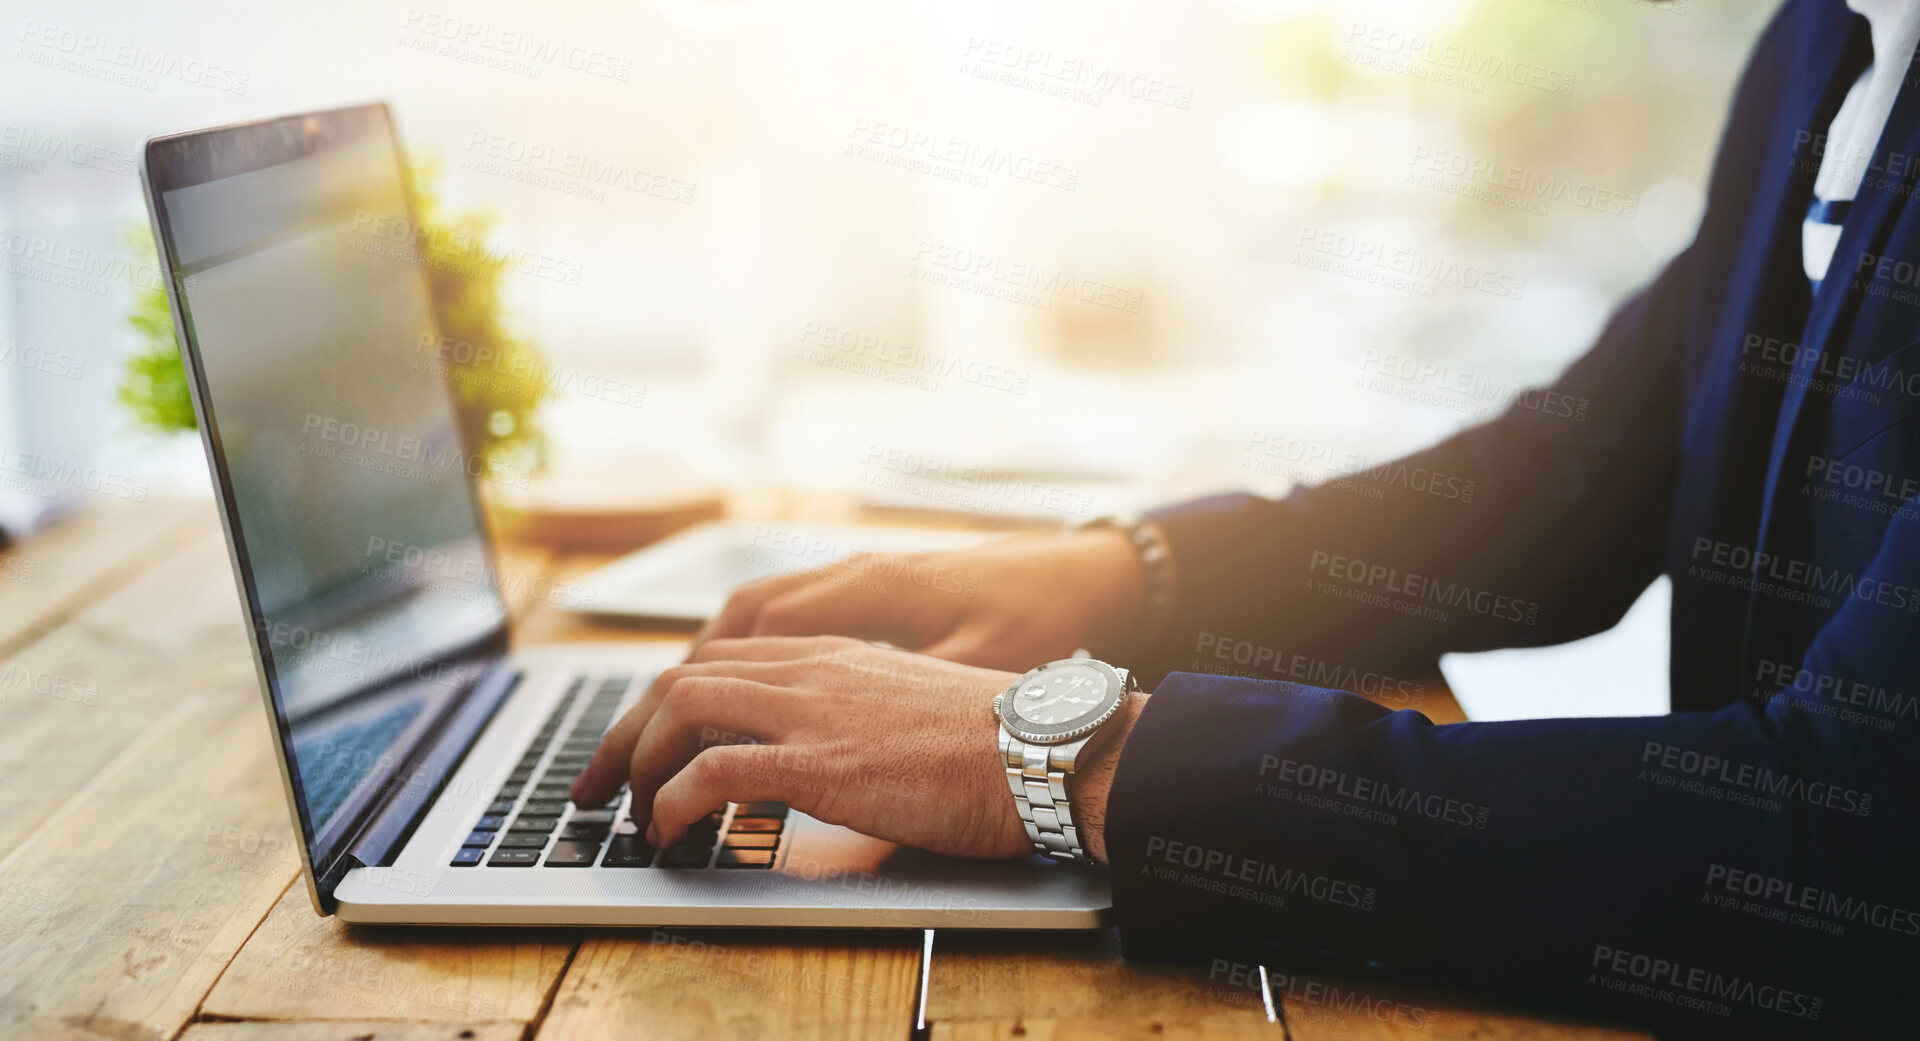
(306, 303)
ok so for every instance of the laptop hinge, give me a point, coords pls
(413, 791)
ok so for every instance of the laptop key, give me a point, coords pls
(492, 822)
(628, 851)
(754, 824)
(702, 839)
(592, 817)
(573, 854)
(686, 857)
(739, 841)
(539, 824)
(479, 837)
(579, 831)
(468, 857)
(545, 807)
(500, 806)
(745, 858)
(515, 858)
(524, 840)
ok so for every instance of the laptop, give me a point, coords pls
(425, 754)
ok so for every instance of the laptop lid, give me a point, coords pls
(300, 297)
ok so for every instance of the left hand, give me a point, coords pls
(892, 744)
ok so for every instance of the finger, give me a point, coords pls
(759, 648)
(715, 777)
(743, 606)
(704, 712)
(610, 765)
(849, 602)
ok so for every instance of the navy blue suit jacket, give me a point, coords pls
(1748, 865)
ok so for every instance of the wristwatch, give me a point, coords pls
(1049, 718)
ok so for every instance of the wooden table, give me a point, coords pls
(149, 888)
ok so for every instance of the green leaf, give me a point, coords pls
(498, 380)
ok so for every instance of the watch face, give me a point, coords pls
(1059, 699)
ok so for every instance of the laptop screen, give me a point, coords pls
(349, 496)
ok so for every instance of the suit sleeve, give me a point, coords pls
(1749, 872)
(1538, 527)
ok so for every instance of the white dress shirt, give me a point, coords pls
(1855, 131)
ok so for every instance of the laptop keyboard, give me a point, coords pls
(531, 822)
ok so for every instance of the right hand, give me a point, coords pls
(1008, 605)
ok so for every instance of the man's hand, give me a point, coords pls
(1012, 605)
(895, 745)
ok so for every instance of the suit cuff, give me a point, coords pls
(1207, 863)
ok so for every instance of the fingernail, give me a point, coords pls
(653, 834)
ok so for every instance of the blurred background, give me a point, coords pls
(858, 245)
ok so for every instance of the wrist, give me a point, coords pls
(1115, 581)
(1094, 778)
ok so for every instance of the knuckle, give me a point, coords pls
(682, 689)
(829, 651)
(725, 649)
(780, 616)
(668, 677)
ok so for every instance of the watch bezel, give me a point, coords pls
(1061, 733)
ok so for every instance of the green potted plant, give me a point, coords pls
(498, 387)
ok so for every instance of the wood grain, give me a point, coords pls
(79, 558)
(75, 696)
(302, 966)
(1075, 985)
(350, 1030)
(750, 985)
(124, 908)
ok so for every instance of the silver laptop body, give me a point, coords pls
(424, 757)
